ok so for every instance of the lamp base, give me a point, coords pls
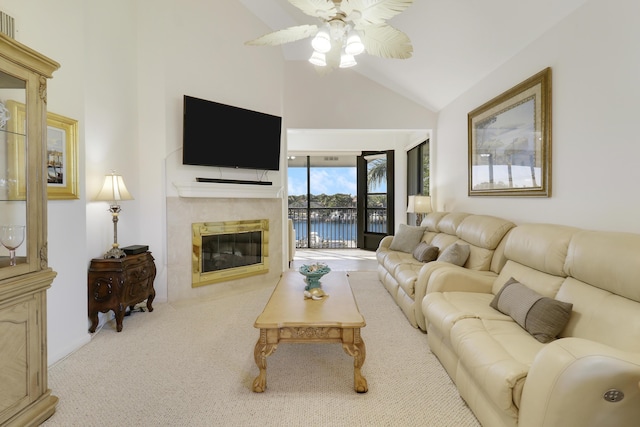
(115, 252)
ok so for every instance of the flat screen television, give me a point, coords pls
(222, 135)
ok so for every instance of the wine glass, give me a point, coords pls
(11, 237)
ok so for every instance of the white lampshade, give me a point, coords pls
(419, 204)
(347, 60)
(354, 44)
(318, 58)
(322, 41)
(113, 189)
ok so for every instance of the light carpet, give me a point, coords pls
(191, 364)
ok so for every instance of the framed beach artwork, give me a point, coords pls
(62, 153)
(510, 141)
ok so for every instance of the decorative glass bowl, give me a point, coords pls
(313, 273)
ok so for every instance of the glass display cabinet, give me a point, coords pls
(25, 398)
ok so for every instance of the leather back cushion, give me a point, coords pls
(450, 222)
(608, 260)
(483, 231)
(479, 258)
(545, 284)
(443, 240)
(431, 220)
(428, 236)
(601, 316)
(540, 246)
(498, 260)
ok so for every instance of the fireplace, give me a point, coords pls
(229, 250)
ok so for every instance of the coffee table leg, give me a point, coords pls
(260, 353)
(357, 349)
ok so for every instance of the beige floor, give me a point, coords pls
(337, 259)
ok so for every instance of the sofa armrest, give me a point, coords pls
(568, 381)
(385, 242)
(439, 276)
(460, 279)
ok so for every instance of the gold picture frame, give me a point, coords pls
(62, 153)
(510, 141)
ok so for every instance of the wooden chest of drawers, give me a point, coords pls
(118, 283)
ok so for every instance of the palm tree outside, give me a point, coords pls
(376, 173)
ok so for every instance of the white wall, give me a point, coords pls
(342, 99)
(595, 149)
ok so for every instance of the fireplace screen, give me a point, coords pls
(229, 250)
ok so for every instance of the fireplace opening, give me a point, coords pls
(222, 251)
(229, 250)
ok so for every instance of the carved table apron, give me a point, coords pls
(289, 317)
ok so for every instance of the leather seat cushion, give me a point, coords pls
(396, 259)
(443, 309)
(496, 354)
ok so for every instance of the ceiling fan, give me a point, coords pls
(347, 28)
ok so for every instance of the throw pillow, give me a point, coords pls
(544, 318)
(407, 238)
(425, 252)
(455, 254)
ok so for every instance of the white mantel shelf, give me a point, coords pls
(228, 191)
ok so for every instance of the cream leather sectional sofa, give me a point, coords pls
(406, 278)
(587, 375)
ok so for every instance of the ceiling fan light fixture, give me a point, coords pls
(318, 58)
(347, 60)
(322, 41)
(347, 28)
(354, 44)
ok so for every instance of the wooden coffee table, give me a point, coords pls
(289, 317)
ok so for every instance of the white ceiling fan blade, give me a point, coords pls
(287, 35)
(325, 9)
(386, 42)
(368, 12)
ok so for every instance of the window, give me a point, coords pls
(418, 173)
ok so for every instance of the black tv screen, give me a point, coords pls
(222, 135)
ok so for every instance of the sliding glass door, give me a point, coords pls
(322, 201)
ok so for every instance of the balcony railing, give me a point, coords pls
(333, 228)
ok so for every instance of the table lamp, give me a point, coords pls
(113, 191)
(419, 205)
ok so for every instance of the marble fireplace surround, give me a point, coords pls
(207, 202)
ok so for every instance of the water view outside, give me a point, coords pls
(331, 228)
(327, 217)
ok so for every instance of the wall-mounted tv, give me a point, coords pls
(222, 135)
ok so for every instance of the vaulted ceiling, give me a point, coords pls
(456, 42)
